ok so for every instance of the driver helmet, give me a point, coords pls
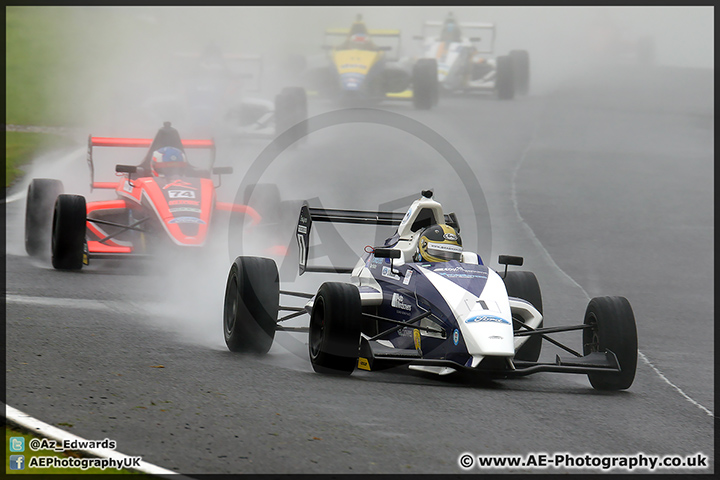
(168, 161)
(439, 243)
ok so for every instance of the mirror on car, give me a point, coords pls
(386, 253)
(510, 260)
(222, 170)
(126, 168)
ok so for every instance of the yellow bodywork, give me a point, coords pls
(355, 61)
(405, 94)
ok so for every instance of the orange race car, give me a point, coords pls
(164, 203)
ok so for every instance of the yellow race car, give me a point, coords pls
(360, 71)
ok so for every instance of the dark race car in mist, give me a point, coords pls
(437, 314)
(212, 92)
(150, 213)
(359, 71)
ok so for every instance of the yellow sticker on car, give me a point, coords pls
(363, 364)
(416, 338)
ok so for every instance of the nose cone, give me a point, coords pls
(490, 334)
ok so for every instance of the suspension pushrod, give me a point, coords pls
(399, 325)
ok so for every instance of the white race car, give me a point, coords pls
(421, 300)
(466, 62)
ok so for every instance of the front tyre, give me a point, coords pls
(614, 329)
(521, 69)
(252, 295)
(41, 196)
(334, 339)
(505, 78)
(69, 226)
(426, 88)
(525, 285)
(291, 108)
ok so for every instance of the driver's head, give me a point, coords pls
(439, 243)
(168, 161)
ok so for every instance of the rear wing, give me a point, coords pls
(374, 34)
(437, 23)
(139, 143)
(473, 31)
(308, 215)
(344, 32)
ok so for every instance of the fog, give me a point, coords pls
(124, 51)
(129, 60)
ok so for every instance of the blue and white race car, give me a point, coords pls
(421, 300)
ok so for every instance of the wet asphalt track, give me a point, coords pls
(612, 178)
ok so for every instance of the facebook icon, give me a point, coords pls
(17, 462)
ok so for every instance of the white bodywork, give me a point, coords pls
(484, 321)
(456, 58)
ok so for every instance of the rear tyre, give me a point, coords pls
(525, 285)
(521, 69)
(252, 296)
(426, 88)
(41, 196)
(613, 329)
(69, 225)
(505, 78)
(335, 322)
(290, 109)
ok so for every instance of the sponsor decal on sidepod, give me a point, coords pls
(186, 220)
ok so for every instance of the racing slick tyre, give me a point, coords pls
(426, 88)
(264, 199)
(521, 69)
(252, 296)
(505, 78)
(290, 108)
(613, 329)
(334, 339)
(525, 285)
(41, 196)
(69, 225)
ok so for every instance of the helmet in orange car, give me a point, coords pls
(168, 161)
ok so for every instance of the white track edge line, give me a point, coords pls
(552, 262)
(660, 374)
(13, 416)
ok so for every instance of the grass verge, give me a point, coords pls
(23, 147)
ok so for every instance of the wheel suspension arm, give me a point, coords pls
(132, 226)
(399, 324)
(541, 331)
